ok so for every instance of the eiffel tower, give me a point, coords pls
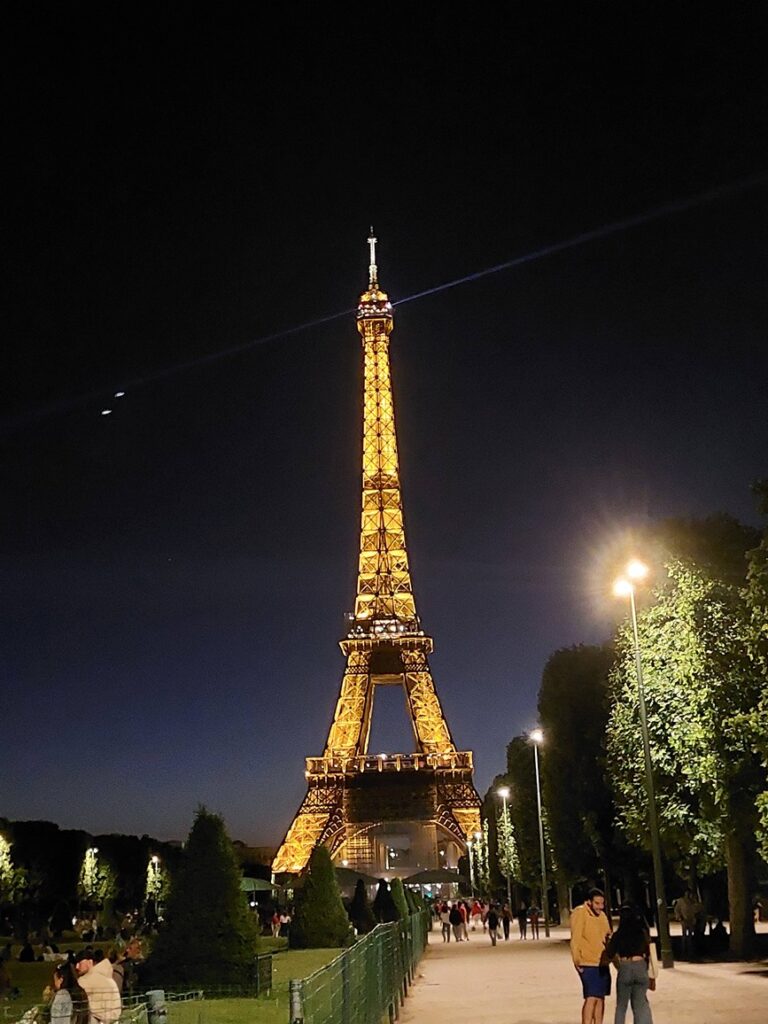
(384, 813)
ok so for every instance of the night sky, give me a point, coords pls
(175, 575)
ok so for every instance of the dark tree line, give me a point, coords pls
(39, 881)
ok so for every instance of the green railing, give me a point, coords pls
(366, 982)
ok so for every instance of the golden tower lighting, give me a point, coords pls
(350, 792)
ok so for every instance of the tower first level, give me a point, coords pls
(392, 814)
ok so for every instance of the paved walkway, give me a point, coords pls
(535, 983)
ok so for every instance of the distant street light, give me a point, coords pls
(536, 736)
(503, 792)
(625, 587)
(471, 868)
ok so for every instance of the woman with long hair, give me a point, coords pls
(630, 949)
(70, 1002)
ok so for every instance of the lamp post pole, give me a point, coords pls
(626, 588)
(471, 868)
(537, 736)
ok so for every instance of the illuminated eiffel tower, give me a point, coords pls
(388, 813)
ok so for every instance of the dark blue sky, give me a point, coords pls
(175, 575)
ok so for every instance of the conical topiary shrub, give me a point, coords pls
(210, 936)
(320, 920)
(398, 896)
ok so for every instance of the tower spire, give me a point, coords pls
(373, 270)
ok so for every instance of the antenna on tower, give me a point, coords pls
(372, 269)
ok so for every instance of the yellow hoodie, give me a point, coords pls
(589, 933)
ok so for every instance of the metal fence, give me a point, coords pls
(366, 982)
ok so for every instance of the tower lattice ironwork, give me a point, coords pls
(351, 793)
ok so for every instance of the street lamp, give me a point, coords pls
(536, 736)
(471, 868)
(636, 571)
(503, 792)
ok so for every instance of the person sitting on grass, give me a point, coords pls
(70, 1002)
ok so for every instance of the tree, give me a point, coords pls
(756, 596)
(320, 920)
(210, 937)
(573, 712)
(384, 908)
(524, 810)
(360, 913)
(508, 854)
(398, 897)
(11, 877)
(699, 686)
(96, 883)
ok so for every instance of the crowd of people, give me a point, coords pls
(459, 917)
(88, 986)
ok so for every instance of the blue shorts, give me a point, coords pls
(596, 982)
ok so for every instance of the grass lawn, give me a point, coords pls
(273, 1009)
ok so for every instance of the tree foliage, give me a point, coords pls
(756, 597)
(700, 687)
(320, 920)
(524, 810)
(398, 897)
(573, 711)
(11, 878)
(210, 936)
(508, 853)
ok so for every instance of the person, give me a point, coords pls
(464, 911)
(534, 913)
(492, 920)
(104, 1003)
(454, 917)
(522, 920)
(275, 922)
(6, 953)
(445, 922)
(684, 909)
(5, 980)
(125, 966)
(590, 930)
(477, 914)
(70, 1002)
(26, 953)
(506, 920)
(630, 949)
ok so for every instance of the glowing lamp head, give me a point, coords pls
(536, 736)
(636, 570)
(622, 588)
(478, 836)
(503, 792)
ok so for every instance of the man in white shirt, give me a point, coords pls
(104, 1003)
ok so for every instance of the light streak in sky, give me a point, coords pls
(595, 234)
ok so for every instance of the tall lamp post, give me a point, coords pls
(625, 587)
(471, 868)
(536, 736)
(503, 792)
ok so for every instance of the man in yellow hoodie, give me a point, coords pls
(590, 930)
